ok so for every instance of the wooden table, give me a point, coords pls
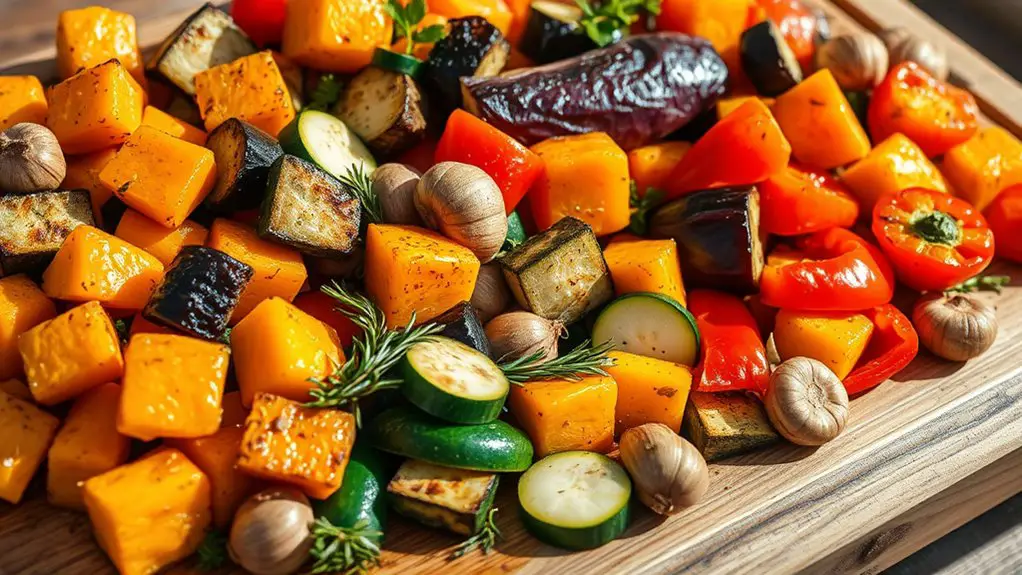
(922, 455)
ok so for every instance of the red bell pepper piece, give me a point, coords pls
(933, 239)
(893, 345)
(733, 355)
(798, 25)
(843, 272)
(802, 200)
(324, 308)
(420, 157)
(1004, 216)
(743, 148)
(262, 20)
(933, 114)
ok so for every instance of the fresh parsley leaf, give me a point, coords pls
(641, 207)
(430, 34)
(212, 552)
(406, 20)
(609, 21)
(326, 94)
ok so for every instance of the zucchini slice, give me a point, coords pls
(575, 499)
(461, 323)
(452, 381)
(243, 155)
(721, 425)
(472, 48)
(457, 500)
(516, 234)
(385, 109)
(553, 33)
(309, 210)
(33, 226)
(395, 62)
(208, 38)
(327, 142)
(768, 61)
(651, 325)
(494, 446)
(361, 496)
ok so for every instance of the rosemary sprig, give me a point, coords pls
(212, 551)
(343, 550)
(326, 94)
(484, 540)
(583, 360)
(981, 283)
(641, 207)
(373, 354)
(609, 20)
(359, 183)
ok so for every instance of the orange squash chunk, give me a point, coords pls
(278, 347)
(95, 109)
(93, 265)
(649, 390)
(894, 165)
(87, 445)
(217, 455)
(88, 37)
(160, 176)
(159, 241)
(651, 165)
(586, 177)
(71, 353)
(150, 513)
(987, 163)
(727, 105)
(140, 324)
(411, 270)
(719, 21)
(27, 432)
(250, 88)
(22, 99)
(15, 388)
(562, 415)
(645, 266)
(83, 173)
(172, 386)
(157, 118)
(22, 306)
(335, 35)
(303, 446)
(279, 271)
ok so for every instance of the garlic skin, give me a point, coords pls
(30, 160)
(858, 61)
(270, 534)
(395, 185)
(806, 402)
(491, 295)
(956, 327)
(464, 204)
(519, 334)
(903, 46)
(669, 472)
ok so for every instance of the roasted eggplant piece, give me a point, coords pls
(457, 500)
(243, 155)
(473, 48)
(198, 292)
(719, 241)
(637, 91)
(33, 226)
(724, 424)
(111, 212)
(560, 273)
(208, 38)
(461, 323)
(308, 209)
(385, 109)
(768, 61)
(553, 33)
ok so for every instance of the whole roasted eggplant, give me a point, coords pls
(637, 91)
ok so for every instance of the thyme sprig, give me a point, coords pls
(342, 550)
(484, 540)
(583, 360)
(981, 283)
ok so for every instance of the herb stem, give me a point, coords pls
(583, 360)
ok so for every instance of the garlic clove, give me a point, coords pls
(491, 295)
(857, 61)
(956, 328)
(519, 334)
(669, 472)
(270, 534)
(30, 160)
(463, 203)
(806, 402)
(903, 46)
(395, 185)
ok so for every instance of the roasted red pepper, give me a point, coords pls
(420, 157)
(324, 308)
(733, 355)
(797, 23)
(892, 346)
(840, 272)
(934, 240)
(933, 114)
(262, 20)
(469, 140)
(743, 148)
(802, 200)
(1004, 216)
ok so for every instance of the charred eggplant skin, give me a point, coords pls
(553, 33)
(719, 241)
(637, 91)
(243, 155)
(461, 323)
(767, 60)
(472, 47)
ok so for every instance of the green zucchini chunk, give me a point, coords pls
(361, 496)
(326, 141)
(651, 325)
(453, 381)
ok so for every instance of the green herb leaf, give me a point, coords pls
(326, 94)
(360, 185)
(415, 11)
(212, 551)
(123, 329)
(583, 360)
(484, 540)
(430, 34)
(407, 18)
(343, 550)
(981, 283)
(608, 21)
(641, 207)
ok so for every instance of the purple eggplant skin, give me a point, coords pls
(637, 91)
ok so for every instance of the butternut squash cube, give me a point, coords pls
(88, 37)
(160, 176)
(649, 390)
(93, 265)
(83, 174)
(335, 35)
(87, 445)
(278, 347)
(217, 455)
(157, 118)
(983, 166)
(651, 165)
(303, 446)
(563, 415)
(150, 513)
(279, 271)
(95, 109)
(27, 432)
(140, 324)
(836, 339)
(22, 99)
(22, 306)
(411, 270)
(727, 105)
(71, 353)
(172, 387)
(15, 388)
(645, 266)
(894, 165)
(159, 241)
(250, 89)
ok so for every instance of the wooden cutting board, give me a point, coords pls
(922, 455)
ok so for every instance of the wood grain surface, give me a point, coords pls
(922, 455)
